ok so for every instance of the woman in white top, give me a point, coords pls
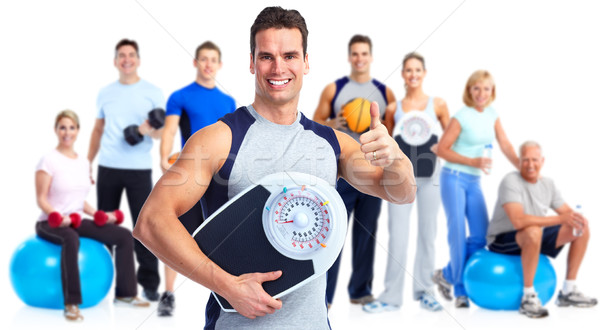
(416, 125)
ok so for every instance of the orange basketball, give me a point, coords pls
(358, 115)
(173, 158)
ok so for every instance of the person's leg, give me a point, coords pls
(529, 240)
(554, 239)
(120, 238)
(138, 186)
(428, 205)
(577, 248)
(398, 225)
(349, 196)
(68, 239)
(477, 218)
(454, 202)
(109, 189)
(366, 214)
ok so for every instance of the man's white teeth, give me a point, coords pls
(278, 82)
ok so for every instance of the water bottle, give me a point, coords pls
(487, 153)
(578, 232)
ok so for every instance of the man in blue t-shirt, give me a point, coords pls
(122, 166)
(193, 107)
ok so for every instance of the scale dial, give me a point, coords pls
(415, 127)
(298, 221)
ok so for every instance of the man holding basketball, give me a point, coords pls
(192, 108)
(339, 102)
(268, 136)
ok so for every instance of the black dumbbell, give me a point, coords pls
(156, 118)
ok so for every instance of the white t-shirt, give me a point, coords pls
(70, 182)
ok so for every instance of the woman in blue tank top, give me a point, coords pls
(462, 146)
(415, 105)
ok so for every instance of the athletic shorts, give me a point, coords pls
(506, 243)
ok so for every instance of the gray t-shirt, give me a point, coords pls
(536, 199)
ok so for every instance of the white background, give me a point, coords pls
(543, 55)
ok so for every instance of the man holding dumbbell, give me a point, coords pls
(128, 117)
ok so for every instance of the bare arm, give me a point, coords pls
(441, 111)
(520, 220)
(88, 209)
(323, 111)
(390, 110)
(162, 233)
(505, 145)
(42, 186)
(445, 149)
(389, 176)
(166, 142)
(95, 140)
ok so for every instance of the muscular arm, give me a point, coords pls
(162, 233)
(505, 145)
(42, 186)
(95, 139)
(166, 142)
(390, 177)
(323, 111)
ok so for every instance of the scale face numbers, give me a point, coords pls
(298, 222)
(416, 128)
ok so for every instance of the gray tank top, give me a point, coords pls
(260, 147)
(348, 89)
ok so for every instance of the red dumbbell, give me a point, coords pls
(101, 218)
(56, 220)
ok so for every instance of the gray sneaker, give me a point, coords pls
(444, 287)
(166, 304)
(531, 306)
(576, 299)
(461, 302)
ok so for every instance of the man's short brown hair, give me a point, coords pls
(127, 42)
(360, 38)
(279, 18)
(208, 45)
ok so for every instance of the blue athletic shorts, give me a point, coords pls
(506, 243)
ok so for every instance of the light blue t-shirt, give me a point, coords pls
(476, 130)
(120, 106)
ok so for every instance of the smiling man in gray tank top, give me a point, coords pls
(268, 136)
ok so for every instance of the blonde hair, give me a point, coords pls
(67, 114)
(476, 77)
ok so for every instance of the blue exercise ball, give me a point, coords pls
(35, 273)
(495, 281)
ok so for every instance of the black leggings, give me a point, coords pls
(68, 239)
(137, 185)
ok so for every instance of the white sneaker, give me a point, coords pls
(575, 298)
(531, 306)
(378, 307)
